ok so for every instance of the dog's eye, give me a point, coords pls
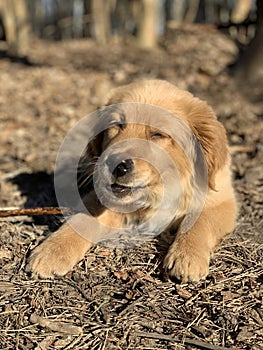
(118, 125)
(157, 135)
(114, 129)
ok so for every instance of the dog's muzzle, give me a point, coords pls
(120, 169)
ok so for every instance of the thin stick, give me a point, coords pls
(55, 326)
(241, 148)
(198, 343)
(34, 211)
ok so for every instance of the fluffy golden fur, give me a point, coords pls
(189, 254)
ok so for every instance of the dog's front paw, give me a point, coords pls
(59, 253)
(51, 258)
(186, 263)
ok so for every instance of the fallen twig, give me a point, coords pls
(241, 149)
(34, 211)
(198, 343)
(61, 327)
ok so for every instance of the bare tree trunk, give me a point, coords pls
(192, 11)
(78, 12)
(241, 10)
(178, 9)
(254, 59)
(250, 65)
(16, 24)
(101, 20)
(147, 36)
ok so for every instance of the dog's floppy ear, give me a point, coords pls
(93, 149)
(212, 136)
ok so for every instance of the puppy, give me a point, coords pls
(125, 178)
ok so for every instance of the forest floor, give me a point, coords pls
(114, 298)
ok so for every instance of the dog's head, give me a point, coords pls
(132, 151)
(195, 113)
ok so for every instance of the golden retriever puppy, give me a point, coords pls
(140, 179)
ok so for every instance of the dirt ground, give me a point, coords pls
(121, 299)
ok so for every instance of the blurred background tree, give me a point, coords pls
(147, 34)
(101, 15)
(15, 25)
(144, 22)
(249, 67)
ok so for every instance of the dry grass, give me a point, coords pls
(118, 299)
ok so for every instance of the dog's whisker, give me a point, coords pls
(85, 181)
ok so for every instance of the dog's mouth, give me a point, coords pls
(121, 190)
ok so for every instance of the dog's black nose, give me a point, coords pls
(123, 168)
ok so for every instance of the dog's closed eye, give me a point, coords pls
(114, 128)
(116, 124)
(158, 135)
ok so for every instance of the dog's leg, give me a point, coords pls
(59, 252)
(64, 248)
(189, 255)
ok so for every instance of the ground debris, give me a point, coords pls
(118, 299)
(56, 326)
